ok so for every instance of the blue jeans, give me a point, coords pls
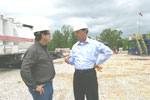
(48, 92)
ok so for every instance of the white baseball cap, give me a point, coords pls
(41, 28)
(79, 26)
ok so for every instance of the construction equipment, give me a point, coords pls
(144, 47)
(139, 46)
(15, 38)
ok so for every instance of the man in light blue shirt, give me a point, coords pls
(85, 57)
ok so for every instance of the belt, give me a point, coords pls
(47, 81)
(85, 70)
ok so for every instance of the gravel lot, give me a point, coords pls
(124, 77)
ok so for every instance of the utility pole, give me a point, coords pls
(140, 14)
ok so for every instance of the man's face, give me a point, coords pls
(81, 35)
(46, 38)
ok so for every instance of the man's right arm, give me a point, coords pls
(28, 63)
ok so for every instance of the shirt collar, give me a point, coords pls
(86, 41)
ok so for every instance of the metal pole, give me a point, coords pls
(139, 24)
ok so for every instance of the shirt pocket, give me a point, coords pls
(89, 53)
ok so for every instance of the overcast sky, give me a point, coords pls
(98, 14)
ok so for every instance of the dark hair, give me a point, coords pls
(38, 35)
(84, 30)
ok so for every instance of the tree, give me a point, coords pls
(125, 43)
(62, 39)
(113, 37)
(57, 41)
(51, 45)
(72, 40)
(66, 30)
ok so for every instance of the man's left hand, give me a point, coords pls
(99, 68)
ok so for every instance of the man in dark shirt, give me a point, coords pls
(37, 69)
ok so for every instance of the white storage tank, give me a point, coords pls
(16, 29)
(1, 28)
(8, 29)
(26, 32)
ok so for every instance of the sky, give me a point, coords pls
(97, 14)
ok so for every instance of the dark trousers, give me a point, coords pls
(85, 84)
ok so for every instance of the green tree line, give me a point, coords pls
(65, 38)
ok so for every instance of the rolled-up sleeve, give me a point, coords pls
(28, 63)
(106, 51)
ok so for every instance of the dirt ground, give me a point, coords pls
(123, 77)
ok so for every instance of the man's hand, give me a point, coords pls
(99, 68)
(39, 89)
(67, 59)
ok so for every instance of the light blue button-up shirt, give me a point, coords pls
(85, 55)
